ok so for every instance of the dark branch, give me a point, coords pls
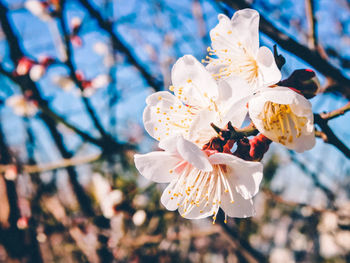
(121, 46)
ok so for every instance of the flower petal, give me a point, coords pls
(194, 155)
(240, 208)
(242, 29)
(243, 176)
(267, 67)
(157, 166)
(246, 22)
(165, 116)
(192, 83)
(299, 106)
(234, 94)
(200, 131)
(167, 198)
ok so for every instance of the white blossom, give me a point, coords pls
(198, 100)
(283, 116)
(36, 72)
(235, 51)
(139, 217)
(200, 184)
(38, 9)
(22, 106)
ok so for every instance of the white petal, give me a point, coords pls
(193, 84)
(169, 144)
(241, 207)
(200, 211)
(267, 67)
(157, 166)
(243, 28)
(167, 198)
(194, 155)
(165, 116)
(234, 95)
(243, 176)
(201, 131)
(304, 143)
(246, 22)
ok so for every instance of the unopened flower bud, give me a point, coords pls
(258, 147)
(303, 81)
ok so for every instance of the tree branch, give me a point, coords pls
(121, 46)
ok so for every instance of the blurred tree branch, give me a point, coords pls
(121, 46)
(26, 83)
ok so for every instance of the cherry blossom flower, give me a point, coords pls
(139, 217)
(283, 116)
(39, 9)
(107, 198)
(36, 72)
(201, 181)
(64, 82)
(23, 66)
(198, 100)
(22, 106)
(235, 51)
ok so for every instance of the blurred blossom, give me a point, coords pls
(328, 247)
(75, 23)
(281, 255)
(11, 172)
(38, 9)
(139, 217)
(100, 81)
(21, 106)
(22, 222)
(109, 203)
(101, 186)
(342, 238)
(36, 72)
(23, 66)
(328, 222)
(140, 201)
(63, 82)
(41, 237)
(101, 48)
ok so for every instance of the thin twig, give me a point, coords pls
(310, 15)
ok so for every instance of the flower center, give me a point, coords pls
(282, 122)
(235, 60)
(200, 190)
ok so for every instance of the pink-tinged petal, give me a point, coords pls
(192, 83)
(242, 176)
(267, 67)
(193, 155)
(157, 166)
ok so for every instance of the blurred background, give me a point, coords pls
(74, 77)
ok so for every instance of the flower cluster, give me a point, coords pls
(198, 124)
